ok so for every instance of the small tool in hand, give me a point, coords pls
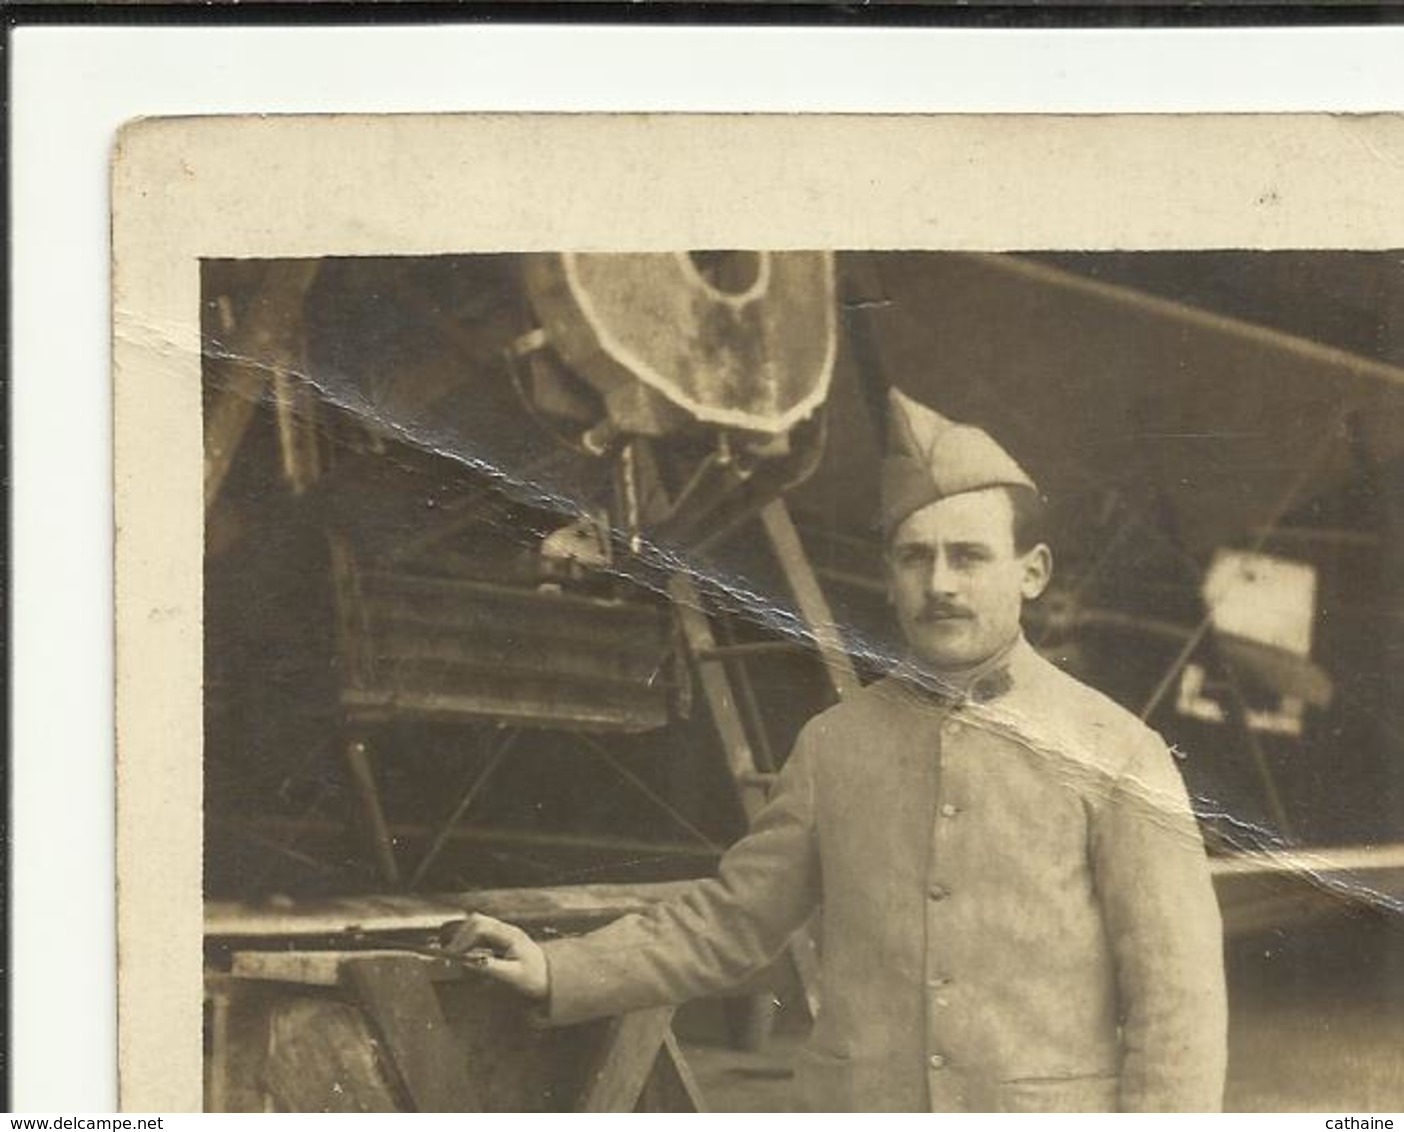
(475, 958)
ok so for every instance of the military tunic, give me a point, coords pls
(1016, 911)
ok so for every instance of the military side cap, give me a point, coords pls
(930, 457)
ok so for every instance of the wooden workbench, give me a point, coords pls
(296, 1023)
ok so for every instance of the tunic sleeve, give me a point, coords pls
(1166, 935)
(716, 935)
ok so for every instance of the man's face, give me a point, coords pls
(956, 580)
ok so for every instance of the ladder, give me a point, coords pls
(726, 688)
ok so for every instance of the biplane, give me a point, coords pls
(522, 573)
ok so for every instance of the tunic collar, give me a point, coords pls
(982, 683)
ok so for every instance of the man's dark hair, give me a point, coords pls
(1030, 518)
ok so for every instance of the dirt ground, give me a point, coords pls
(1316, 1024)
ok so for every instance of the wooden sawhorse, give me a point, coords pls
(375, 1031)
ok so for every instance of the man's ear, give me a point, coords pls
(1038, 572)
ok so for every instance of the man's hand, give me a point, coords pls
(502, 952)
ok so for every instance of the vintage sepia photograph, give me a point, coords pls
(842, 676)
(533, 584)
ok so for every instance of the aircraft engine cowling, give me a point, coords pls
(671, 341)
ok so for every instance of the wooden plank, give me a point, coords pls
(270, 830)
(716, 687)
(399, 998)
(469, 652)
(326, 916)
(626, 1058)
(741, 760)
(751, 714)
(323, 968)
(295, 408)
(809, 596)
(363, 782)
(322, 1058)
(230, 413)
(239, 1040)
(1316, 862)
(264, 345)
(638, 713)
(750, 648)
(512, 606)
(218, 992)
(529, 907)
(1265, 889)
(517, 1064)
(499, 751)
(672, 1086)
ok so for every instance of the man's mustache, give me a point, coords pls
(943, 611)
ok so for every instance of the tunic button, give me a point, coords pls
(949, 810)
(937, 1061)
(937, 892)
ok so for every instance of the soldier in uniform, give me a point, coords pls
(1016, 911)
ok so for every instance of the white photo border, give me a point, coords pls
(73, 87)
